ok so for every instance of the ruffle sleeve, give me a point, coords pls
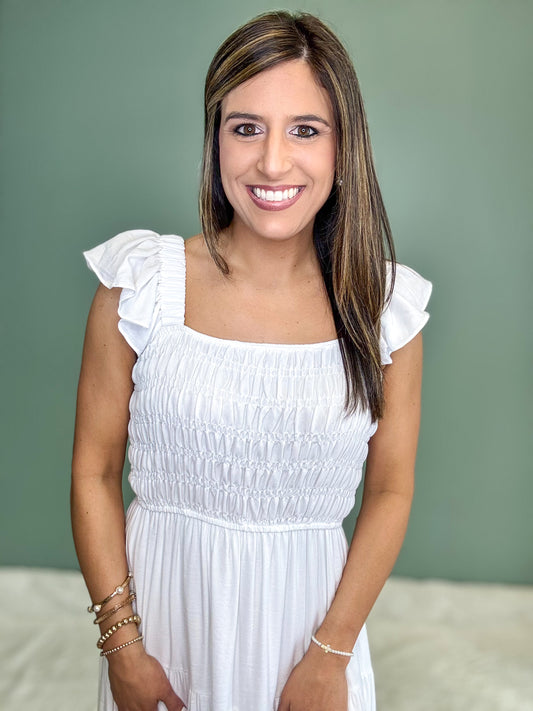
(130, 260)
(405, 314)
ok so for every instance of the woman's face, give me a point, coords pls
(277, 151)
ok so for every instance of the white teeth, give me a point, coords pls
(275, 195)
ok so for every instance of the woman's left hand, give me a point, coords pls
(317, 683)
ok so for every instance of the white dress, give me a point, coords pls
(244, 468)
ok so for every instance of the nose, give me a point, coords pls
(274, 159)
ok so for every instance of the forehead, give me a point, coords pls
(288, 88)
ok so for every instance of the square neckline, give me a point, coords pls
(256, 344)
(236, 342)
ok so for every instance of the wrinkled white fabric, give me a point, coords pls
(404, 315)
(244, 467)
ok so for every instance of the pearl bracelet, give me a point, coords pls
(121, 646)
(111, 631)
(327, 649)
(97, 606)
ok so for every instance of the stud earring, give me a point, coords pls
(339, 182)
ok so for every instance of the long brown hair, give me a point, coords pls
(351, 231)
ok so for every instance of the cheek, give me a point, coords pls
(320, 162)
(326, 162)
(231, 168)
(232, 158)
(331, 157)
(224, 157)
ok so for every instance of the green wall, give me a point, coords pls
(101, 131)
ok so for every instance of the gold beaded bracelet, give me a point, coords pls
(115, 628)
(121, 646)
(131, 597)
(97, 606)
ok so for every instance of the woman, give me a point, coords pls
(251, 366)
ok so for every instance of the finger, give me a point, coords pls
(172, 701)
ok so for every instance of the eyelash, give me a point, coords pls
(238, 130)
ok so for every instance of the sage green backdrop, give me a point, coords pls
(102, 131)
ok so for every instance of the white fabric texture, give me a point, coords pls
(244, 467)
(404, 315)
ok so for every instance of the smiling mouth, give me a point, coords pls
(275, 198)
(276, 195)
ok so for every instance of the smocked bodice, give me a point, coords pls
(250, 434)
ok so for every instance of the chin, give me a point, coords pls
(280, 230)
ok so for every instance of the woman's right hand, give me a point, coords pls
(138, 682)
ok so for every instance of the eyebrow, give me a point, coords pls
(255, 117)
(312, 117)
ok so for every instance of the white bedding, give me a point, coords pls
(436, 645)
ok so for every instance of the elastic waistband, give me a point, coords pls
(241, 525)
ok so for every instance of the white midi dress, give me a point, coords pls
(244, 467)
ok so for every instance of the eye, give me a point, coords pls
(304, 131)
(246, 129)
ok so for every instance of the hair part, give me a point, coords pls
(352, 234)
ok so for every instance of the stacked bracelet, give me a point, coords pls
(328, 650)
(111, 631)
(121, 646)
(97, 606)
(131, 597)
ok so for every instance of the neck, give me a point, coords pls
(268, 262)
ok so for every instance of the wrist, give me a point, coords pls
(127, 657)
(325, 663)
(335, 641)
(337, 636)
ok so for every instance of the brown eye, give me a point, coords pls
(246, 129)
(305, 131)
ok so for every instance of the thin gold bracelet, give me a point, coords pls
(131, 597)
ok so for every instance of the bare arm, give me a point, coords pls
(378, 536)
(100, 438)
(387, 497)
(97, 508)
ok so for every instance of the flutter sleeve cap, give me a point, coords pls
(130, 260)
(405, 314)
